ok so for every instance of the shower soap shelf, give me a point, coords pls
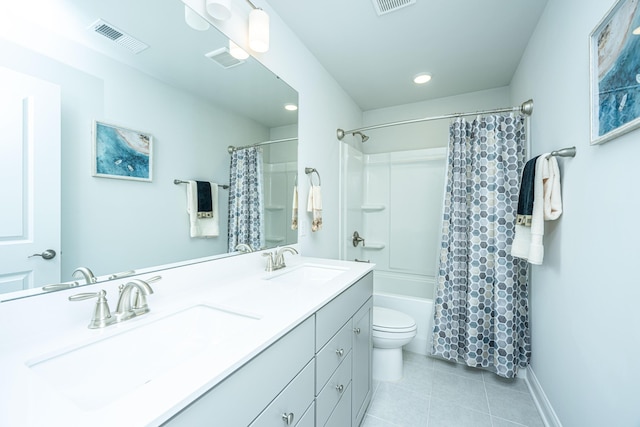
(374, 246)
(274, 208)
(372, 208)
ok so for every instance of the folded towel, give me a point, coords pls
(314, 205)
(525, 199)
(205, 203)
(528, 243)
(552, 206)
(294, 209)
(201, 224)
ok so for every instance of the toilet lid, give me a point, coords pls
(385, 319)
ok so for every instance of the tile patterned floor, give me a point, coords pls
(435, 393)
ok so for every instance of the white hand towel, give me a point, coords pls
(202, 227)
(547, 205)
(294, 209)
(552, 206)
(314, 205)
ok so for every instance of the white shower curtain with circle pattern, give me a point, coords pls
(481, 307)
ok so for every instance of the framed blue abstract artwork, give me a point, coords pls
(615, 72)
(122, 153)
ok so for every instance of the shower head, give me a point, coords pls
(362, 135)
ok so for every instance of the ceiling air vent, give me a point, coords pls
(223, 58)
(386, 6)
(114, 34)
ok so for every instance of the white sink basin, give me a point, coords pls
(100, 372)
(306, 274)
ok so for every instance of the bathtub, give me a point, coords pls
(390, 291)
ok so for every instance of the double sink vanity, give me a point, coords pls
(224, 344)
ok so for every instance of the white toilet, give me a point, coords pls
(391, 330)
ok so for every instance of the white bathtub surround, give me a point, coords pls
(49, 323)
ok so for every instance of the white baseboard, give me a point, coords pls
(545, 409)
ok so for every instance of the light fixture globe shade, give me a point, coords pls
(219, 9)
(259, 30)
(194, 20)
(237, 52)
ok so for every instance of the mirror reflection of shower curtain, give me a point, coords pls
(246, 210)
(481, 307)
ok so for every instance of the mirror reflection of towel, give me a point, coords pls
(294, 209)
(206, 225)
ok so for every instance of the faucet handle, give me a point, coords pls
(269, 256)
(101, 314)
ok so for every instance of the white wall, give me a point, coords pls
(584, 298)
(426, 134)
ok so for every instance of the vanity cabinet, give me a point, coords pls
(318, 374)
(343, 356)
(284, 369)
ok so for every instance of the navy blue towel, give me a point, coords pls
(525, 198)
(205, 202)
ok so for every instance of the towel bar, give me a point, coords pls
(179, 181)
(313, 170)
(564, 152)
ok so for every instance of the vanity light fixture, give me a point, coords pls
(219, 9)
(237, 52)
(194, 20)
(421, 78)
(290, 107)
(258, 30)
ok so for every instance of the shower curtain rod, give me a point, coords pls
(231, 148)
(525, 108)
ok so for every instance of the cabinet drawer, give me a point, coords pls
(308, 418)
(294, 400)
(335, 388)
(241, 397)
(332, 316)
(332, 354)
(341, 415)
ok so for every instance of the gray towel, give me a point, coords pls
(525, 198)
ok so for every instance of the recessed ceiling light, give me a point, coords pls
(422, 78)
(290, 107)
(637, 31)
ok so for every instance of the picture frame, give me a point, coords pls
(615, 72)
(121, 153)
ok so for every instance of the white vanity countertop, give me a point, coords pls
(40, 325)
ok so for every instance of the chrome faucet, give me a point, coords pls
(133, 300)
(131, 303)
(243, 247)
(279, 260)
(85, 273)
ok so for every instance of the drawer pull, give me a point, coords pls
(356, 330)
(288, 418)
(340, 388)
(340, 352)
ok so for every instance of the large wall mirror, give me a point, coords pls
(184, 90)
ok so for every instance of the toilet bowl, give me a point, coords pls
(391, 330)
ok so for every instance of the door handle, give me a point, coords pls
(48, 254)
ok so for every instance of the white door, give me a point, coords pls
(29, 181)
